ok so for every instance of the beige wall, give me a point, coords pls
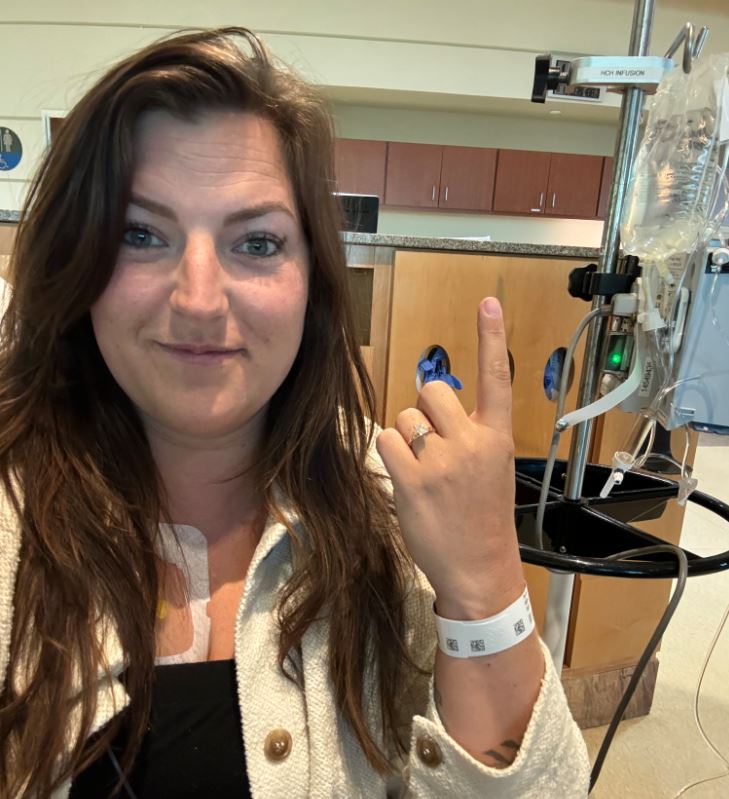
(473, 130)
(578, 26)
(463, 54)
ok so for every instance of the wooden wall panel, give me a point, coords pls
(380, 333)
(434, 301)
(612, 618)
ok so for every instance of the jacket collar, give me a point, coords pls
(9, 557)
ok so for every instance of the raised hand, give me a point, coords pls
(453, 480)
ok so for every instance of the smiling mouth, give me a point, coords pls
(200, 353)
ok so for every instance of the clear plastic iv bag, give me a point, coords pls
(672, 200)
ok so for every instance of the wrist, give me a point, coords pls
(468, 607)
(482, 596)
(487, 635)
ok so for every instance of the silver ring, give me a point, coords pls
(420, 430)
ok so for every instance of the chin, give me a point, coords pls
(202, 425)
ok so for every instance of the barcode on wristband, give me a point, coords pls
(451, 644)
(478, 645)
(520, 627)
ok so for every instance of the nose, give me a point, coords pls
(200, 285)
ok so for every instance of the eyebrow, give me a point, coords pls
(252, 212)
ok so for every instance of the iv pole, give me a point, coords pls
(583, 537)
(559, 599)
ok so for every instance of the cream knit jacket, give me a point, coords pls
(325, 760)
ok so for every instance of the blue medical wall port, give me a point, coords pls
(435, 364)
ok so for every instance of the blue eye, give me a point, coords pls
(260, 245)
(141, 238)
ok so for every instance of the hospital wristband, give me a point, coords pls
(470, 639)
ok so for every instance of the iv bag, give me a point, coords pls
(671, 202)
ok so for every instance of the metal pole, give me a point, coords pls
(627, 141)
(559, 598)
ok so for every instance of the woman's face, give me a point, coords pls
(204, 313)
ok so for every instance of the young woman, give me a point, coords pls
(210, 585)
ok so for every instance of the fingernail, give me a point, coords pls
(492, 307)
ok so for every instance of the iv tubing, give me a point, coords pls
(561, 400)
(697, 718)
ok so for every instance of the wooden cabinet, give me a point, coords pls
(360, 166)
(440, 176)
(551, 184)
(521, 182)
(413, 174)
(479, 179)
(605, 184)
(574, 185)
(467, 178)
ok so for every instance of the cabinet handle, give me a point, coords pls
(554, 199)
(446, 197)
(432, 196)
(541, 201)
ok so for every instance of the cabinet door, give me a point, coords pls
(574, 185)
(360, 166)
(521, 182)
(605, 184)
(413, 174)
(467, 178)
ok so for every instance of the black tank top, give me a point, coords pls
(194, 745)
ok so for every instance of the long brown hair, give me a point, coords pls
(91, 496)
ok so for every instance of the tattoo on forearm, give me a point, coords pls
(504, 758)
(509, 747)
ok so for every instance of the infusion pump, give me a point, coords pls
(675, 346)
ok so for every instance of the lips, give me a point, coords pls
(201, 354)
(198, 349)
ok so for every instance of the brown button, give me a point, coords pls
(278, 744)
(429, 751)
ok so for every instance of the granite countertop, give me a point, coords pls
(470, 245)
(9, 216)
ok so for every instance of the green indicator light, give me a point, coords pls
(616, 359)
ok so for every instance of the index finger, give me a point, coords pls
(493, 389)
